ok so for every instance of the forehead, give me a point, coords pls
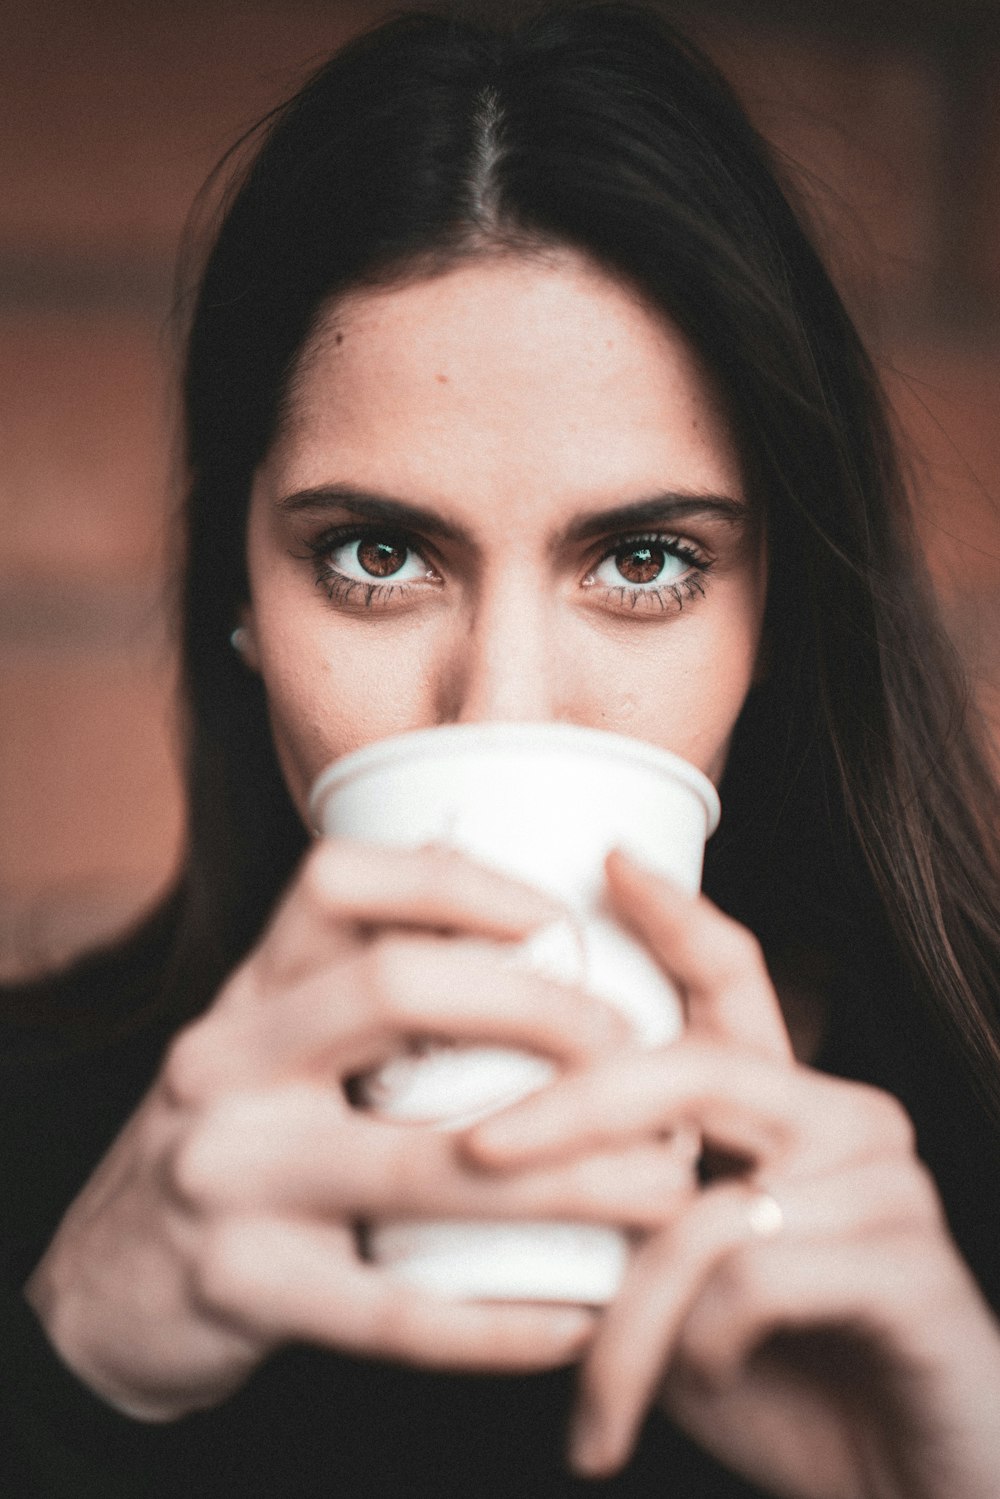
(505, 384)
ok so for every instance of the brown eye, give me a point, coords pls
(380, 559)
(640, 563)
(371, 558)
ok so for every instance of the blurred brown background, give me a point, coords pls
(111, 115)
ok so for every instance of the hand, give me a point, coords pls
(808, 1319)
(220, 1224)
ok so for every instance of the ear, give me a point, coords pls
(244, 639)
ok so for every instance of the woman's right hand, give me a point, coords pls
(221, 1223)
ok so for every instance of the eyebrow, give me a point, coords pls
(668, 505)
(369, 505)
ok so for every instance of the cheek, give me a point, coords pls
(720, 685)
(685, 690)
(694, 718)
(299, 697)
(326, 698)
(716, 702)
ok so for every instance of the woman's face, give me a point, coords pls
(503, 493)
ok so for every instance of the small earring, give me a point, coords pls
(239, 639)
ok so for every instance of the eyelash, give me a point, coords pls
(669, 597)
(683, 590)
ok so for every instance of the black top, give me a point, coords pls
(314, 1423)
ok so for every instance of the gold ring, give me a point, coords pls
(765, 1217)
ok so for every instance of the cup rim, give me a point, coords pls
(459, 739)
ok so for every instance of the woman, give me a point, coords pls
(515, 391)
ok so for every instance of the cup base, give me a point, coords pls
(580, 1263)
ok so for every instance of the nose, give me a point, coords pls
(505, 669)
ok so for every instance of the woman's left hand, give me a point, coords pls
(806, 1318)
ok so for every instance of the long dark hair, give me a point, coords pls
(859, 807)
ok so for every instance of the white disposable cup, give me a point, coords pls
(544, 803)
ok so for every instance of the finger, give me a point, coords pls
(344, 882)
(869, 1284)
(843, 1221)
(402, 986)
(350, 1017)
(635, 1338)
(294, 1151)
(717, 964)
(294, 1281)
(887, 1193)
(779, 1118)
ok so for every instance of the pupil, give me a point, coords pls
(381, 558)
(640, 564)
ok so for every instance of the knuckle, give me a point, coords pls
(385, 981)
(325, 878)
(204, 1166)
(920, 1191)
(191, 1172)
(186, 1071)
(226, 1273)
(890, 1121)
(737, 948)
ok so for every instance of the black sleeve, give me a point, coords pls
(63, 1099)
(60, 1441)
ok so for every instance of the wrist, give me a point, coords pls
(154, 1372)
